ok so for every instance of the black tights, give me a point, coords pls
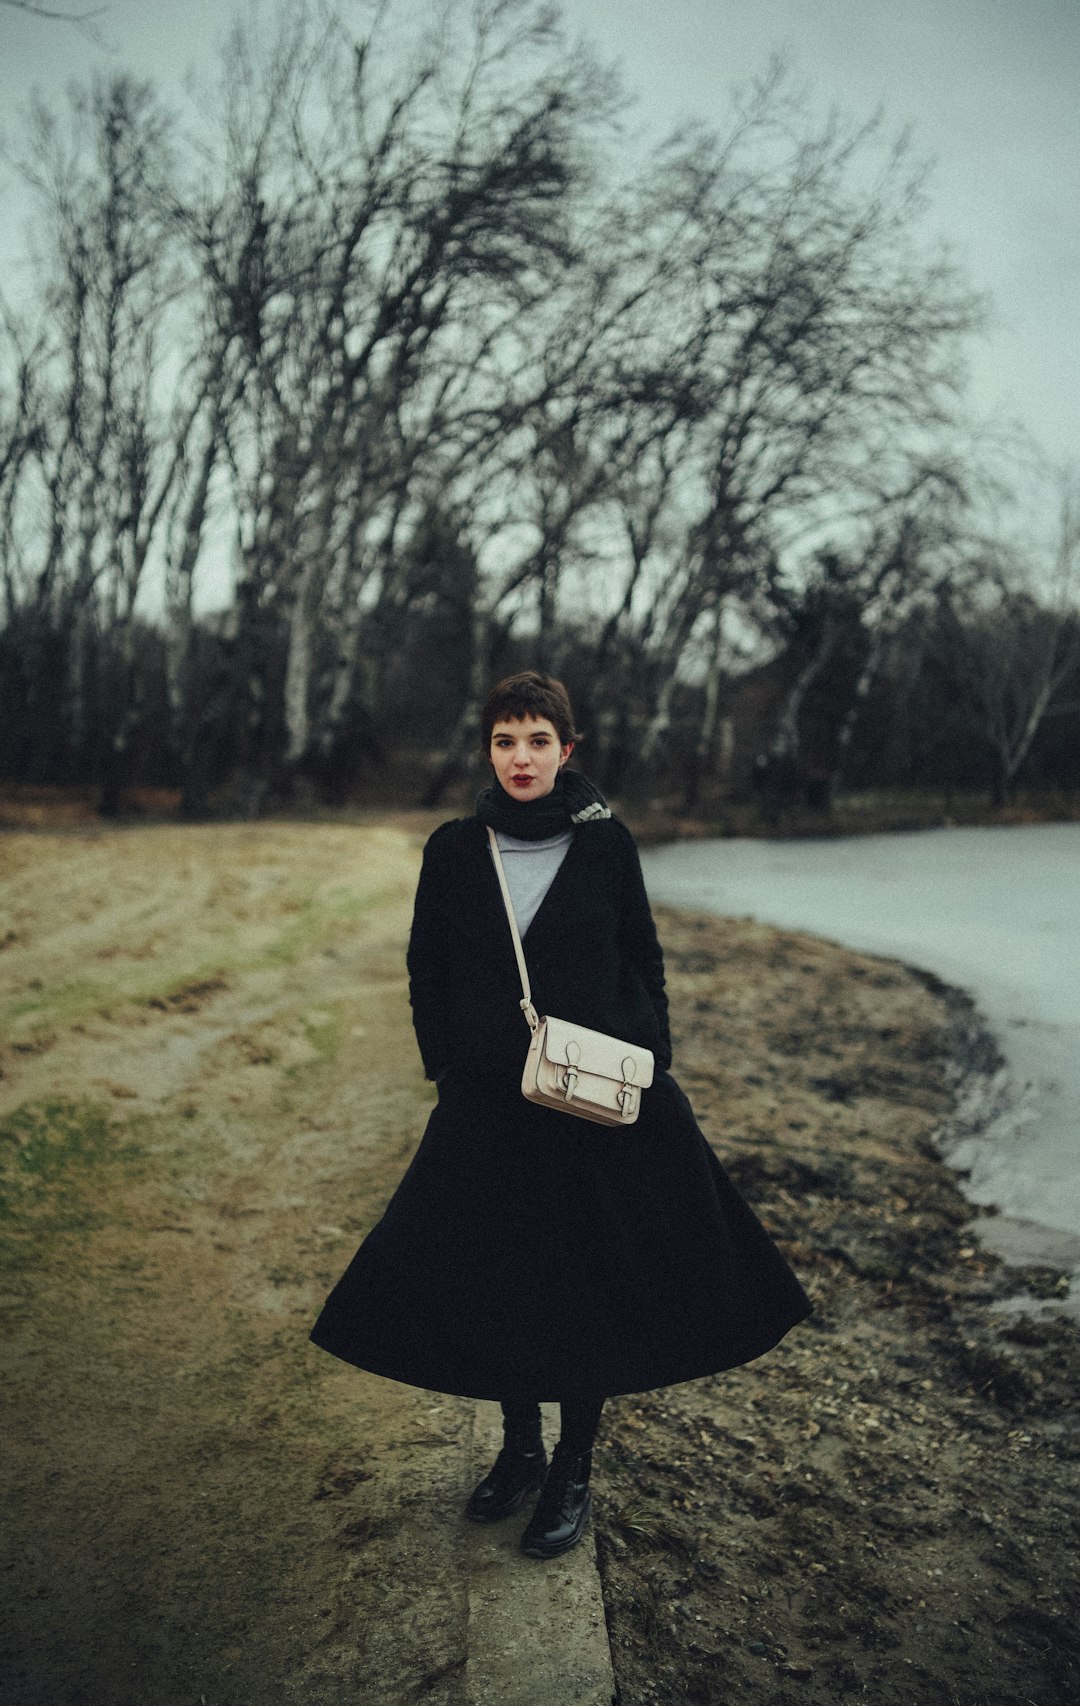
(579, 1420)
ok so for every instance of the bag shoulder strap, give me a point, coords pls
(526, 1002)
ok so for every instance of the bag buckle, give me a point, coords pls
(573, 1055)
(626, 1094)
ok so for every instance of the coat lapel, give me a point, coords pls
(570, 898)
(549, 917)
(575, 899)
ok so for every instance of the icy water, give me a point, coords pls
(995, 911)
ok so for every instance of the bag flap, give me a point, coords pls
(599, 1053)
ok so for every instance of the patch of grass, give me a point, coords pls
(62, 1005)
(42, 1140)
(313, 920)
(51, 1156)
(324, 1033)
(187, 986)
(316, 918)
(647, 1525)
(80, 999)
(35, 1004)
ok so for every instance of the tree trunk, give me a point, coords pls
(859, 695)
(125, 720)
(297, 688)
(184, 715)
(785, 742)
(704, 747)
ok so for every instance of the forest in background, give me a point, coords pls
(389, 335)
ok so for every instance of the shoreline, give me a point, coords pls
(971, 911)
(983, 1093)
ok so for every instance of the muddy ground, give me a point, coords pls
(888, 1506)
(208, 1091)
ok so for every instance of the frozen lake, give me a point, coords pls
(994, 911)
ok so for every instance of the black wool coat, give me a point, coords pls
(527, 1253)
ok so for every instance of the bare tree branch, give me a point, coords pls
(85, 21)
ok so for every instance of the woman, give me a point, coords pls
(528, 1255)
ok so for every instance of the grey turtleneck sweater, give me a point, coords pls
(530, 868)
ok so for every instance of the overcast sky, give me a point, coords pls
(991, 87)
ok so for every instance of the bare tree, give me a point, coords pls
(1018, 644)
(91, 492)
(856, 602)
(23, 416)
(817, 349)
(376, 236)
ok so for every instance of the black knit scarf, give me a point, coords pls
(574, 799)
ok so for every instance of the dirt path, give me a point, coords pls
(209, 1088)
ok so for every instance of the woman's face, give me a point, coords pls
(527, 757)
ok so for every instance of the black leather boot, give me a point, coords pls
(516, 1472)
(563, 1508)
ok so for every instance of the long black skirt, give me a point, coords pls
(528, 1254)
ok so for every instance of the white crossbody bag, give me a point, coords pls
(583, 1072)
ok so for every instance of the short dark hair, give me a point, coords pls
(529, 694)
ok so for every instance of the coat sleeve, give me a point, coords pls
(642, 945)
(429, 959)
